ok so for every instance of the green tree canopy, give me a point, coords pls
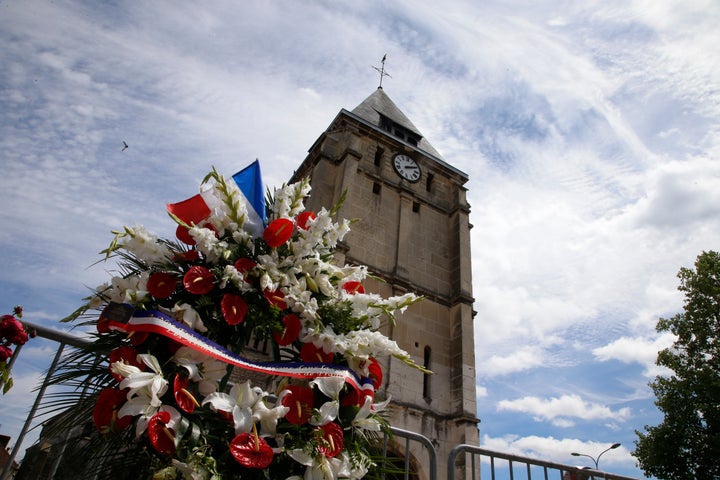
(686, 445)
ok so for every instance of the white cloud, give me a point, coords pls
(480, 391)
(561, 411)
(637, 350)
(524, 358)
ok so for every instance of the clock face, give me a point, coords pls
(406, 167)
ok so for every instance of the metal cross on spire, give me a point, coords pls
(382, 71)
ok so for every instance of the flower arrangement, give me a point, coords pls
(12, 332)
(179, 314)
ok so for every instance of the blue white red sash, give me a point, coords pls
(125, 318)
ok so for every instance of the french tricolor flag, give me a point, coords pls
(249, 180)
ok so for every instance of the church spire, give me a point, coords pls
(380, 111)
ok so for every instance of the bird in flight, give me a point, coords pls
(125, 146)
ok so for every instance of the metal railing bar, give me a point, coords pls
(57, 335)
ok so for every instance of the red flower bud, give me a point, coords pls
(127, 355)
(303, 219)
(278, 232)
(161, 284)
(309, 353)
(291, 330)
(234, 308)
(332, 439)
(353, 287)
(376, 373)
(300, 401)
(275, 298)
(183, 398)
(251, 451)
(243, 265)
(199, 280)
(183, 234)
(161, 437)
(105, 413)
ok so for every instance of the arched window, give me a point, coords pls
(426, 378)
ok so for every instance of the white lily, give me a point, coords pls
(328, 411)
(320, 467)
(191, 472)
(187, 315)
(239, 403)
(151, 384)
(145, 390)
(201, 368)
(363, 420)
(268, 417)
(329, 386)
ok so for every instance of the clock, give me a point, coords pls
(406, 167)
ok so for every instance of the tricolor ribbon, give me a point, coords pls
(125, 318)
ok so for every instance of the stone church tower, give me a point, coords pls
(413, 232)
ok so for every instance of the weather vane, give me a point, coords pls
(382, 71)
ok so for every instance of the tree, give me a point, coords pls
(686, 444)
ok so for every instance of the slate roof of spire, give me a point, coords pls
(379, 103)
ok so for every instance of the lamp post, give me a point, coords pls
(596, 460)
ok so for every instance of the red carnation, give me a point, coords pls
(234, 308)
(300, 400)
(5, 353)
(161, 284)
(353, 287)
(332, 439)
(251, 451)
(291, 330)
(309, 353)
(13, 330)
(127, 355)
(199, 280)
(303, 219)
(161, 437)
(278, 232)
(105, 413)
(183, 398)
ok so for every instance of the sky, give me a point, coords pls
(590, 132)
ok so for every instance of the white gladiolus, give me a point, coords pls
(145, 245)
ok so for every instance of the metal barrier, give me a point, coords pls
(430, 469)
(484, 464)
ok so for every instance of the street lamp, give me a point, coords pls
(596, 460)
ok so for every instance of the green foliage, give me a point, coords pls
(687, 443)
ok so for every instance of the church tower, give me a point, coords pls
(413, 232)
